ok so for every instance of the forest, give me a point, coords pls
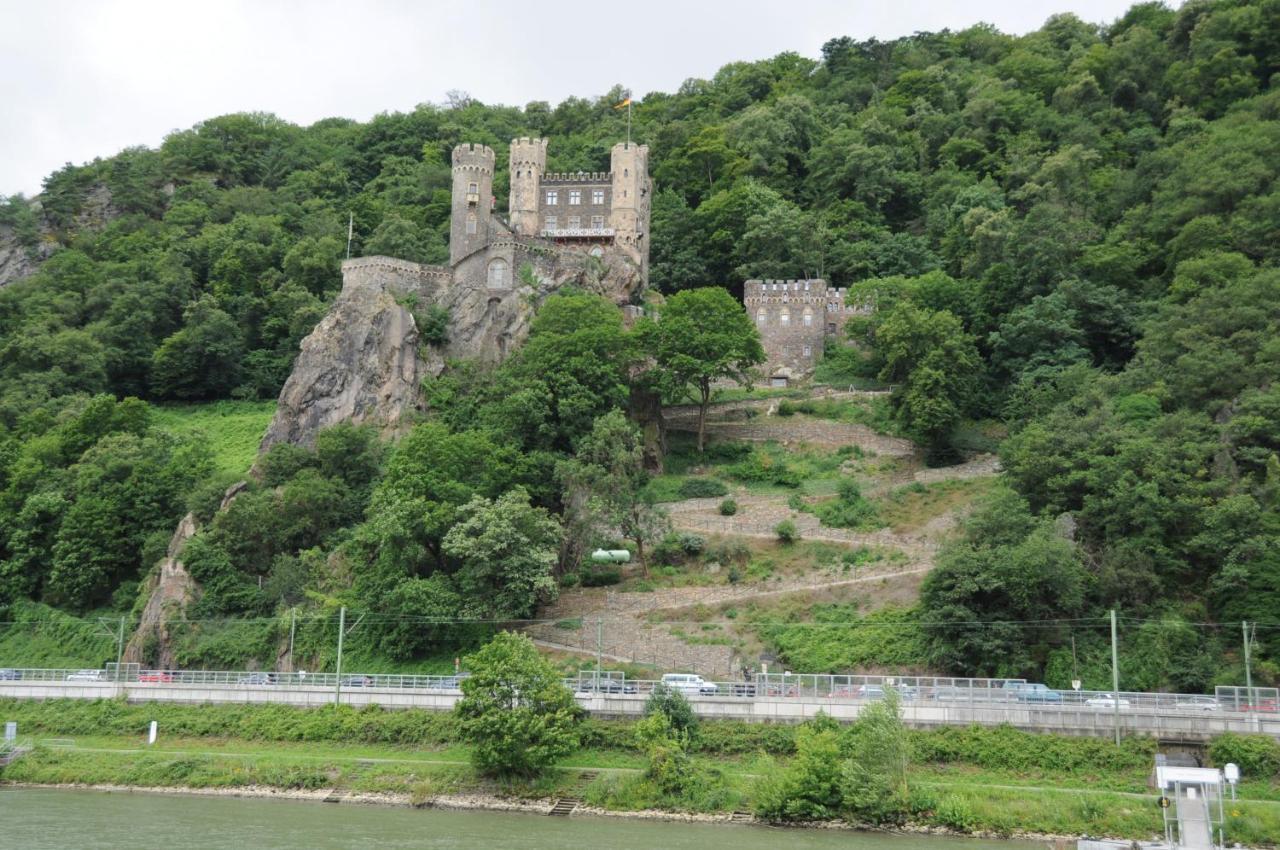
(1071, 236)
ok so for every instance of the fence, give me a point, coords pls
(910, 690)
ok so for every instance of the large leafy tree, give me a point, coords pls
(515, 711)
(703, 336)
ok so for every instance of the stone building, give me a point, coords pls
(795, 318)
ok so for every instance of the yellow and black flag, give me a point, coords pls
(626, 103)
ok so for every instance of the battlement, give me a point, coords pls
(473, 155)
(401, 276)
(578, 177)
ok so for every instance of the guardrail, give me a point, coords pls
(798, 686)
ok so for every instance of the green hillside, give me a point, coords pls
(1071, 239)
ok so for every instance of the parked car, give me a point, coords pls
(689, 684)
(904, 692)
(86, 676)
(9, 675)
(1031, 692)
(950, 693)
(743, 689)
(257, 679)
(357, 681)
(156, 676)
(1198, 704)
(1107, 701)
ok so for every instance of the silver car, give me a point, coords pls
(86, 676)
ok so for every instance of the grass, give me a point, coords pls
(1112, 802)
(233, 428)
(40, 636)
(908, 508)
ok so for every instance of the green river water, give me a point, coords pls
(37, 819)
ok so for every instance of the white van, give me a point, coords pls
(688, 684)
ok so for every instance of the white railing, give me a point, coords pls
(917, 691)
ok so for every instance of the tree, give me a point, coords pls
(515, 711)
(703, 336)
(506, 550)
(608, 469)
(935, 366)
(202, 360)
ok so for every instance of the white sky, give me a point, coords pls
(85, 78)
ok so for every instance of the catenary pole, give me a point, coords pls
(599, 646)
(293, 624)
(1115, 675)
(1248, 671)
(342, 632)
(119, 648)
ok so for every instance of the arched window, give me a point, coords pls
(498, 274)
(597, 251)
(785, 318)
(762, 317)
(808, 317)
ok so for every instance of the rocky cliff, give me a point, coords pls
(20, 258)
(365, 361)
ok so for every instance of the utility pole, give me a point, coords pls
(119, 648)
(1248, 671)
(599, 643)
(1115, 675)
(293, 624)
(342, 632)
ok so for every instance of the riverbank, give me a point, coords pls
(967, 801)
(977, 782)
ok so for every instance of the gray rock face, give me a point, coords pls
(360, 364)
(364, 362)
(18, 261)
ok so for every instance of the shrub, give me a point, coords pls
(787, 531)
(691, 544)
(600, 576)
(763, 467)
(1258, 756)
(728, 552)
(809, 787)
(848, 510)
(570, 580)
(672, 705)
(956, 813)
(728, 507)
(701, 488)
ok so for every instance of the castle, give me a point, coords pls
(589, 229)
(795, 318)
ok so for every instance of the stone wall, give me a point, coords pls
(795, 318)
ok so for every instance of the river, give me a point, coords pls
(40, 819)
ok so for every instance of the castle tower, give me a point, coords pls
(472, 199)
(629, 216)
(528, 162)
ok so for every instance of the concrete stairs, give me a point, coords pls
(566, 805)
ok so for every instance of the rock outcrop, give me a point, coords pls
(360, 364)
(19, 259)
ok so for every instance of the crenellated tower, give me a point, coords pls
(528, 162)
(472, 199)
(631, 191)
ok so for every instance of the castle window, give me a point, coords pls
(575, 222)
(553, 197)
(597, 251)
(624, 193)
(549, 223)
(471, 224)
(597, 196)
(575, 197)
(808, 351)
(762, 318)
(831, 327)
(473, 188)
(808, 317)
(498, 274)
(785, 318)
(796, 286)
(597, 221)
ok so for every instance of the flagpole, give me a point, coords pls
(628, 119)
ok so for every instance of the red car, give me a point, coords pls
(157, 676)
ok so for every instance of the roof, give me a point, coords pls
(1167, 775)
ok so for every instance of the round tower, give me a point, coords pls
(528, 162)
(629, 215)
(472, 199)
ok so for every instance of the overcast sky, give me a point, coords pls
(85, 78)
